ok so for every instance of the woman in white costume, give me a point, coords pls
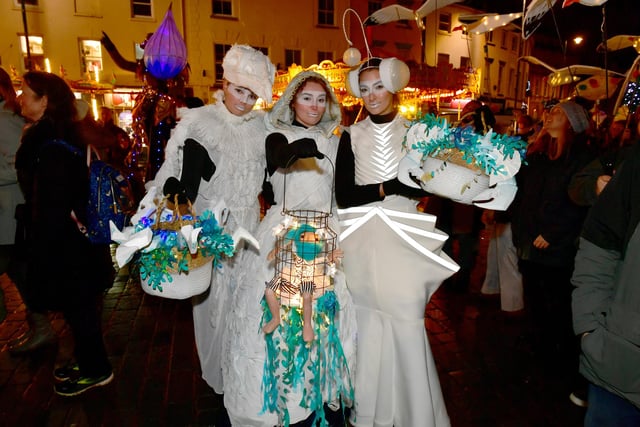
(261, 389)
(217, 152)
(390, 283)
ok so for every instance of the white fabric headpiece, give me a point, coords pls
(247, 67)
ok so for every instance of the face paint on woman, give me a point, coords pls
(377, 100)
(238, 100)
(310, 104)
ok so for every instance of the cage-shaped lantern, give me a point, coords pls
(305, 253)
(165, 53)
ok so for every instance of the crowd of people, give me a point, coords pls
(353, 349)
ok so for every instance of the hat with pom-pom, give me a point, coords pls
(576, 114)
(247, 67)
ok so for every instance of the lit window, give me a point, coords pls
(325, 12)
(141, 8)
(35, 45)
(222, 7)
(90, 56)
(35, 53)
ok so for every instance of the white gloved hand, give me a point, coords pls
(410, 166)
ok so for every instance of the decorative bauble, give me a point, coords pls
(165, 53)
(351, 57)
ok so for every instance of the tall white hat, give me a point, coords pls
(247, 67)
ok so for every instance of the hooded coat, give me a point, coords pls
(309, 185)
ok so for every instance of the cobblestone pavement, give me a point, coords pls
(489, 374)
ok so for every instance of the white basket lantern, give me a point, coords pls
(461, 165)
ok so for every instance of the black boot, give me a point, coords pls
(41, 335)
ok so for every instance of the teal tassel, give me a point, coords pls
(155, 266)
(291, 363)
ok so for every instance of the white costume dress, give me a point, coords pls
(502, 276)
(235, 144)
(309, 184)
(391, 271)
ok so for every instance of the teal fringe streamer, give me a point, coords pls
(317, 369)
(172, 252)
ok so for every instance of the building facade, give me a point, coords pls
(64, 36)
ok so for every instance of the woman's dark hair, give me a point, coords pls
(526, 120)
(61, 107)
(8, 93)
(483, 120)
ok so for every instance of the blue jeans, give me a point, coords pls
(609, 410)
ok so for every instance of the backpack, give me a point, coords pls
(110, 197)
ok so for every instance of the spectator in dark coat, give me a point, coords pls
(546, 225)
(65, 272)
(606, 300)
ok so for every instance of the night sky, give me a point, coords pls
(622, 17)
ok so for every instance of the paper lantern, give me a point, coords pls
(165, 53)
(351, 57)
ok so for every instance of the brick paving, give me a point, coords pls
(489, 375)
